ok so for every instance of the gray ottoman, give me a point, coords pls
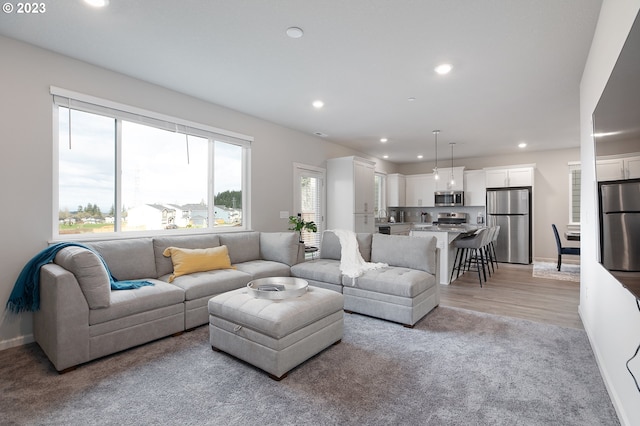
(275, 335)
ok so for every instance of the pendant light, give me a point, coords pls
(453, 181)
(435, 171)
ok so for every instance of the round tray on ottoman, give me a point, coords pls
(277, 288)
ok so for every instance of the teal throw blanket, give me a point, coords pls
(26, 291)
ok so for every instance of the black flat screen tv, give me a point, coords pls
(616, 131)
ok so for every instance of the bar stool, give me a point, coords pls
(470, 251)
(486, 248)
(492, 245)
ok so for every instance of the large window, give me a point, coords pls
(120, 170)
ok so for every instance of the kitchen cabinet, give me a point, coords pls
(419, 190)
(618, 168)
(444, 183)
(350, 194)
(396, 190)
(508, 177)
(475, 189)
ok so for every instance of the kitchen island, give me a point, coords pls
(444, 236)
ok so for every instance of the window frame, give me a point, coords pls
(303, 170)
(119, 112)
(382, 195)
(573, 167)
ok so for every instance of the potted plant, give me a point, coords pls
(298, 224)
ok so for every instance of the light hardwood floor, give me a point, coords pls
(512, 291)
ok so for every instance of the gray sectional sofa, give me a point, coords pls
(81, 318)
(403, 292)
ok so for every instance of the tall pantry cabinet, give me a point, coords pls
(350, 194)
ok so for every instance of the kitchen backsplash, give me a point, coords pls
(414, 214)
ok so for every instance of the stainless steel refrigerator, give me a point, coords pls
(510, 208)
(620, 230)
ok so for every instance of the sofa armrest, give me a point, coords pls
(61, 326)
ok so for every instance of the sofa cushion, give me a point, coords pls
(89, 272)
(243, 246)
(279, 247)
(397, 281)
(263, 268)
(164, 265)
(128, 259)
(210, 283)
(330, 247)
(187, 261)
(125, 303)
(323, 270)
(405, 251)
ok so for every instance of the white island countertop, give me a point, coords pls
(444, 235)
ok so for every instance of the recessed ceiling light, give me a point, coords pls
(385, 156)
(97, 3)
(295, 32)
(419, 156)
(383, 140)
(522, 145)
(318, 104)
(443, 69)
(411, 99)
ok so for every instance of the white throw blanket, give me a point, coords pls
(351, 262)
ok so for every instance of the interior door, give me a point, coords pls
(309, 199)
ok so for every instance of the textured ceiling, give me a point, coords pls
(517, 64)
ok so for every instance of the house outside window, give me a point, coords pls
(120, 170)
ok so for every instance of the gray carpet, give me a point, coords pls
(456, 367)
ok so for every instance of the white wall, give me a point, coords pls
(550, 195)
(608, 311)
(27, 73)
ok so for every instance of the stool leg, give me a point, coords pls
(493, 252)
(454, 265)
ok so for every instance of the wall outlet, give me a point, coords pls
(284, 215)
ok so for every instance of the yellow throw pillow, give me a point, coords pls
(187, 261)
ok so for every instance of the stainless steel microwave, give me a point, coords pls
(448, 198)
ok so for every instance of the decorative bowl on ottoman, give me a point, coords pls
(278, 288)
(275, 335)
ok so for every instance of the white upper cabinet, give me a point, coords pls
(507, 177)
(396, 190)
(632, 167)
(444, 183)
(419, 190)
(618, 168)
(475, 190)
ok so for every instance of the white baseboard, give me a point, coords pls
(615, 400)
(16, 341)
